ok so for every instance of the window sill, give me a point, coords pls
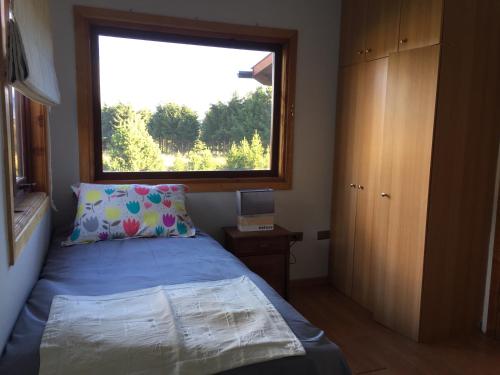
(27, 215)
(213, 185)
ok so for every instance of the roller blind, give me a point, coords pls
(31, 60)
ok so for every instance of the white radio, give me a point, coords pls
(255, 210)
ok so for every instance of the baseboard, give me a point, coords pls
(313, 281)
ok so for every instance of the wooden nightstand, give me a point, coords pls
(266, 253)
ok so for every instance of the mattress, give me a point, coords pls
(118, 266)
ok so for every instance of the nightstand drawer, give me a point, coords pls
(260, 246)
(270, 267)
(265, 253)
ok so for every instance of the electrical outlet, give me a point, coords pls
(296, 236)
(323, 235)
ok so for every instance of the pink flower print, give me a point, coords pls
(168, 220)
(131, 226)
(174, 188)
(148, 205)
(163, 188)
(103, 236)
(167, 203)
(141, 190)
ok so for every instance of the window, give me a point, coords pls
(28, 173)
(26, 168)
(183, 105)
(24, 121)
(20, 137)
(164, 99)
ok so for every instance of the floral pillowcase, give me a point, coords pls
(108, 212)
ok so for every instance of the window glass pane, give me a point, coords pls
(18, 136)
(184, 107)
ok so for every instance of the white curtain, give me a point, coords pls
(31, 60)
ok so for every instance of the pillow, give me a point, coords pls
(126, 211)
(75, 188)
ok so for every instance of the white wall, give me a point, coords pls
(304, 208)
(17, 281)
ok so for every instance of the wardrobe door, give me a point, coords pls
(352, 42)
(382, 28)
(420, 23)
(344, 180)
(408, 130)
(494, 298)
(369, 148)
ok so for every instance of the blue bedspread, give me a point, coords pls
(119, 266)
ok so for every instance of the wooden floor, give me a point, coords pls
(371, 348)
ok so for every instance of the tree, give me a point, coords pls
(249, 156)
(176, 128)
(257, 114)
(110, 116)
(131, 148)
(145, 115)
(228, 123)
(221, 126)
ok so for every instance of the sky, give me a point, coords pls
(147, 73)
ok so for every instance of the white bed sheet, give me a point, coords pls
(194, 328)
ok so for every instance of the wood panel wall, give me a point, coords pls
(441, 134)
(411, 98)
(493, 323)
(345, 178)
(463, 170)
(370, 135)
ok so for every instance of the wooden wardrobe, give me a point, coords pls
(417, 135)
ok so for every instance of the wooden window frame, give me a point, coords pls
(88, 20)
(100, 174)
(22, 106)
(23, 212)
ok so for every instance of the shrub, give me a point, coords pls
(180, 163)
(131, 146)
(200, 158)
(247, 155)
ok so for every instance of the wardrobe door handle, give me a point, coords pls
(385, 195)
(352, 185)
(361, 187)
(403, 41)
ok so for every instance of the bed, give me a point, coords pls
(119, 266)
